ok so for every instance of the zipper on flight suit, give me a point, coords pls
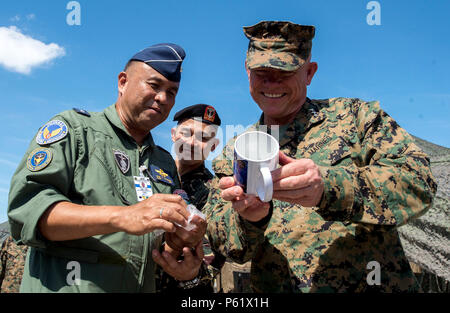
(141, 280)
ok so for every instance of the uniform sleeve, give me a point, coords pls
(389, 181)
(32, 192)
(229, 234)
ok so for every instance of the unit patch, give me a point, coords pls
(210, 114)
(51, 132)
(38, 159)
(122, 161)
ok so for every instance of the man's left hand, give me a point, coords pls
(181, 270)
(297, 181)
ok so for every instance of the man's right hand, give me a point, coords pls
(144, 217)
(250, 207)
(183, 238)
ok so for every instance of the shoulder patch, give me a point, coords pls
(39, 159)
(51, 132)
(82, 112)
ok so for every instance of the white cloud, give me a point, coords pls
(31, 16)
(21, 53)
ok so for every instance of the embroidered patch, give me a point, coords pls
(38, 159)
(122, 161)
(51, 132)
(160, 175)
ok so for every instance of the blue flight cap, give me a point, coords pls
(166, 58)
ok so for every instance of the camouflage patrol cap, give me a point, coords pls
(281, 45)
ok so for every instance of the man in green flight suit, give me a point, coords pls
(93, 188)
(349, 176)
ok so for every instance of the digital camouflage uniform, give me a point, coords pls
(375, 179)
(291, 43)
(12, 262)
(84, 170)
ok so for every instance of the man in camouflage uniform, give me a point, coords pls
(12, 262)
(349, 176)
(194, 139)
(93, 189)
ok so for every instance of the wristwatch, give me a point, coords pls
(188, 284)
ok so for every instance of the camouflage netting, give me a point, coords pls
(426, 240)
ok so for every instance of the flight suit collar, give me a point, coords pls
(113, 117)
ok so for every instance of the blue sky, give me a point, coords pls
(403, 62)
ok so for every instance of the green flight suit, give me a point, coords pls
(84, 170)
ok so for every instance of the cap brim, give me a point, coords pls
(284, 61)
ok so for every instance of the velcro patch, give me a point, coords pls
(39, 159)
(51, 132)
(160, 175)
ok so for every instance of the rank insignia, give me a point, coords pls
(38, 159)
(82, 112)
(122, 161)
(160, 175)
(51, 132)
(210, 114)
